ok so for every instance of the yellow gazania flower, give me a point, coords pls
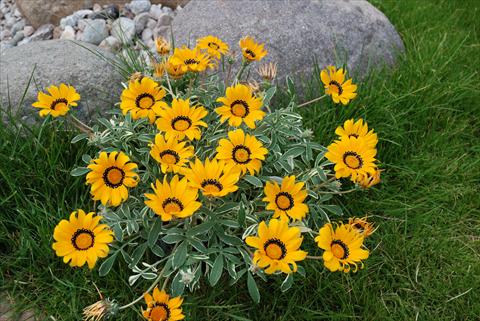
(362, 225)
(111, 175)
(357, 129)
(352, 157)
(174, 71)
(174, 199)
(214, 46)
(142, 99)
(214, 177)
(82, 239)
(162, 46)
(242, 150)
(190, 59)
(343, 247)
(286, 199)
(170, 153)
(336, 86)
(182, 120)
(252, 50)
(239, 105)
(161, 308)
(58, 101)
(369, 180)
(278, 246)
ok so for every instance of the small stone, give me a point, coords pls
(5, 34)
(17, 13)
(111, 44)
(141, 21)
(110, 12)
(18, 36)
(28, 31)
(82, 24)
(19, 25)
(151, 23)
(70, 20)
(95, 31)
(162, 31)
(97, 7)
(5, 45)
(164, 20)
(123, 29)
(169, 10)
(57, 32)
(139, 6)
(147, 35)
(68, 33)
(82, 13)
(10, 20)
(79, 35)
(156, 11)
(44, 32)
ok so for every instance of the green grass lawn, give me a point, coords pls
(425, 256)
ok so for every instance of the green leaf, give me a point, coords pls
(226, 207)
(252, 288)
(86, 158)
(290, 85)
(180, 255)
(177, 285)
(216, 271)
(294, 152)
(107, 264)
(334, 209)
(79, 171)
(157, 250)
(268, 95)
(154, 232)
(253, 180)
(287, 283)
(138, 254)
(173, 238)
(78, 138)
(200, 229)
(241, 215)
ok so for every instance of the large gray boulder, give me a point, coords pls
(296, 32)
(57, 61)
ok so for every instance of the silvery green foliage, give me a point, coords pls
(210, 244)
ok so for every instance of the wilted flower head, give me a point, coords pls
(369, 180)
(100, 310)
(162, 46)
(362, 226)
(136, 76)
(268, 71)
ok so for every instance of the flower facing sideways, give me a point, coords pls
(252, 50)
(336, 86)
(242, 150)
(213, 177)
(82, 239)
(369, 180)
(182, 120)
(352, 157)
(174, 199)
(171, 154)
(362, 225)
(160, 307)
(343, 247)
(110, 177)
(287, 199)
(58, 101)
(143, 99)
(239, 105)
(162, 46)
(213, 45)
(277, 246)
(352, 128)
(190, 59)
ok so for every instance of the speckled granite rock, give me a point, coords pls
(59, 61)
(297, 31)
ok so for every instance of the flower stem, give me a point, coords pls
(312, 101)
(155, 282)
(314, 257)
(81, 125)
(240, 72)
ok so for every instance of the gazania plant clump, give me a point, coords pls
(198, 175)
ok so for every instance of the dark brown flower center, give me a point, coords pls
(239, 108)
(60, 101)
(353, 160)
(172, 204)
(113, 177)
(181, 123)
(191, 61)
(145, 101)
(169, 157)
(212, 185)
(213, 45)
(337, 85)
(339, 249)
(83, 239)
(284, 201)
(275, 249)
(250, 53)
(241, 154)
(159, 312)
